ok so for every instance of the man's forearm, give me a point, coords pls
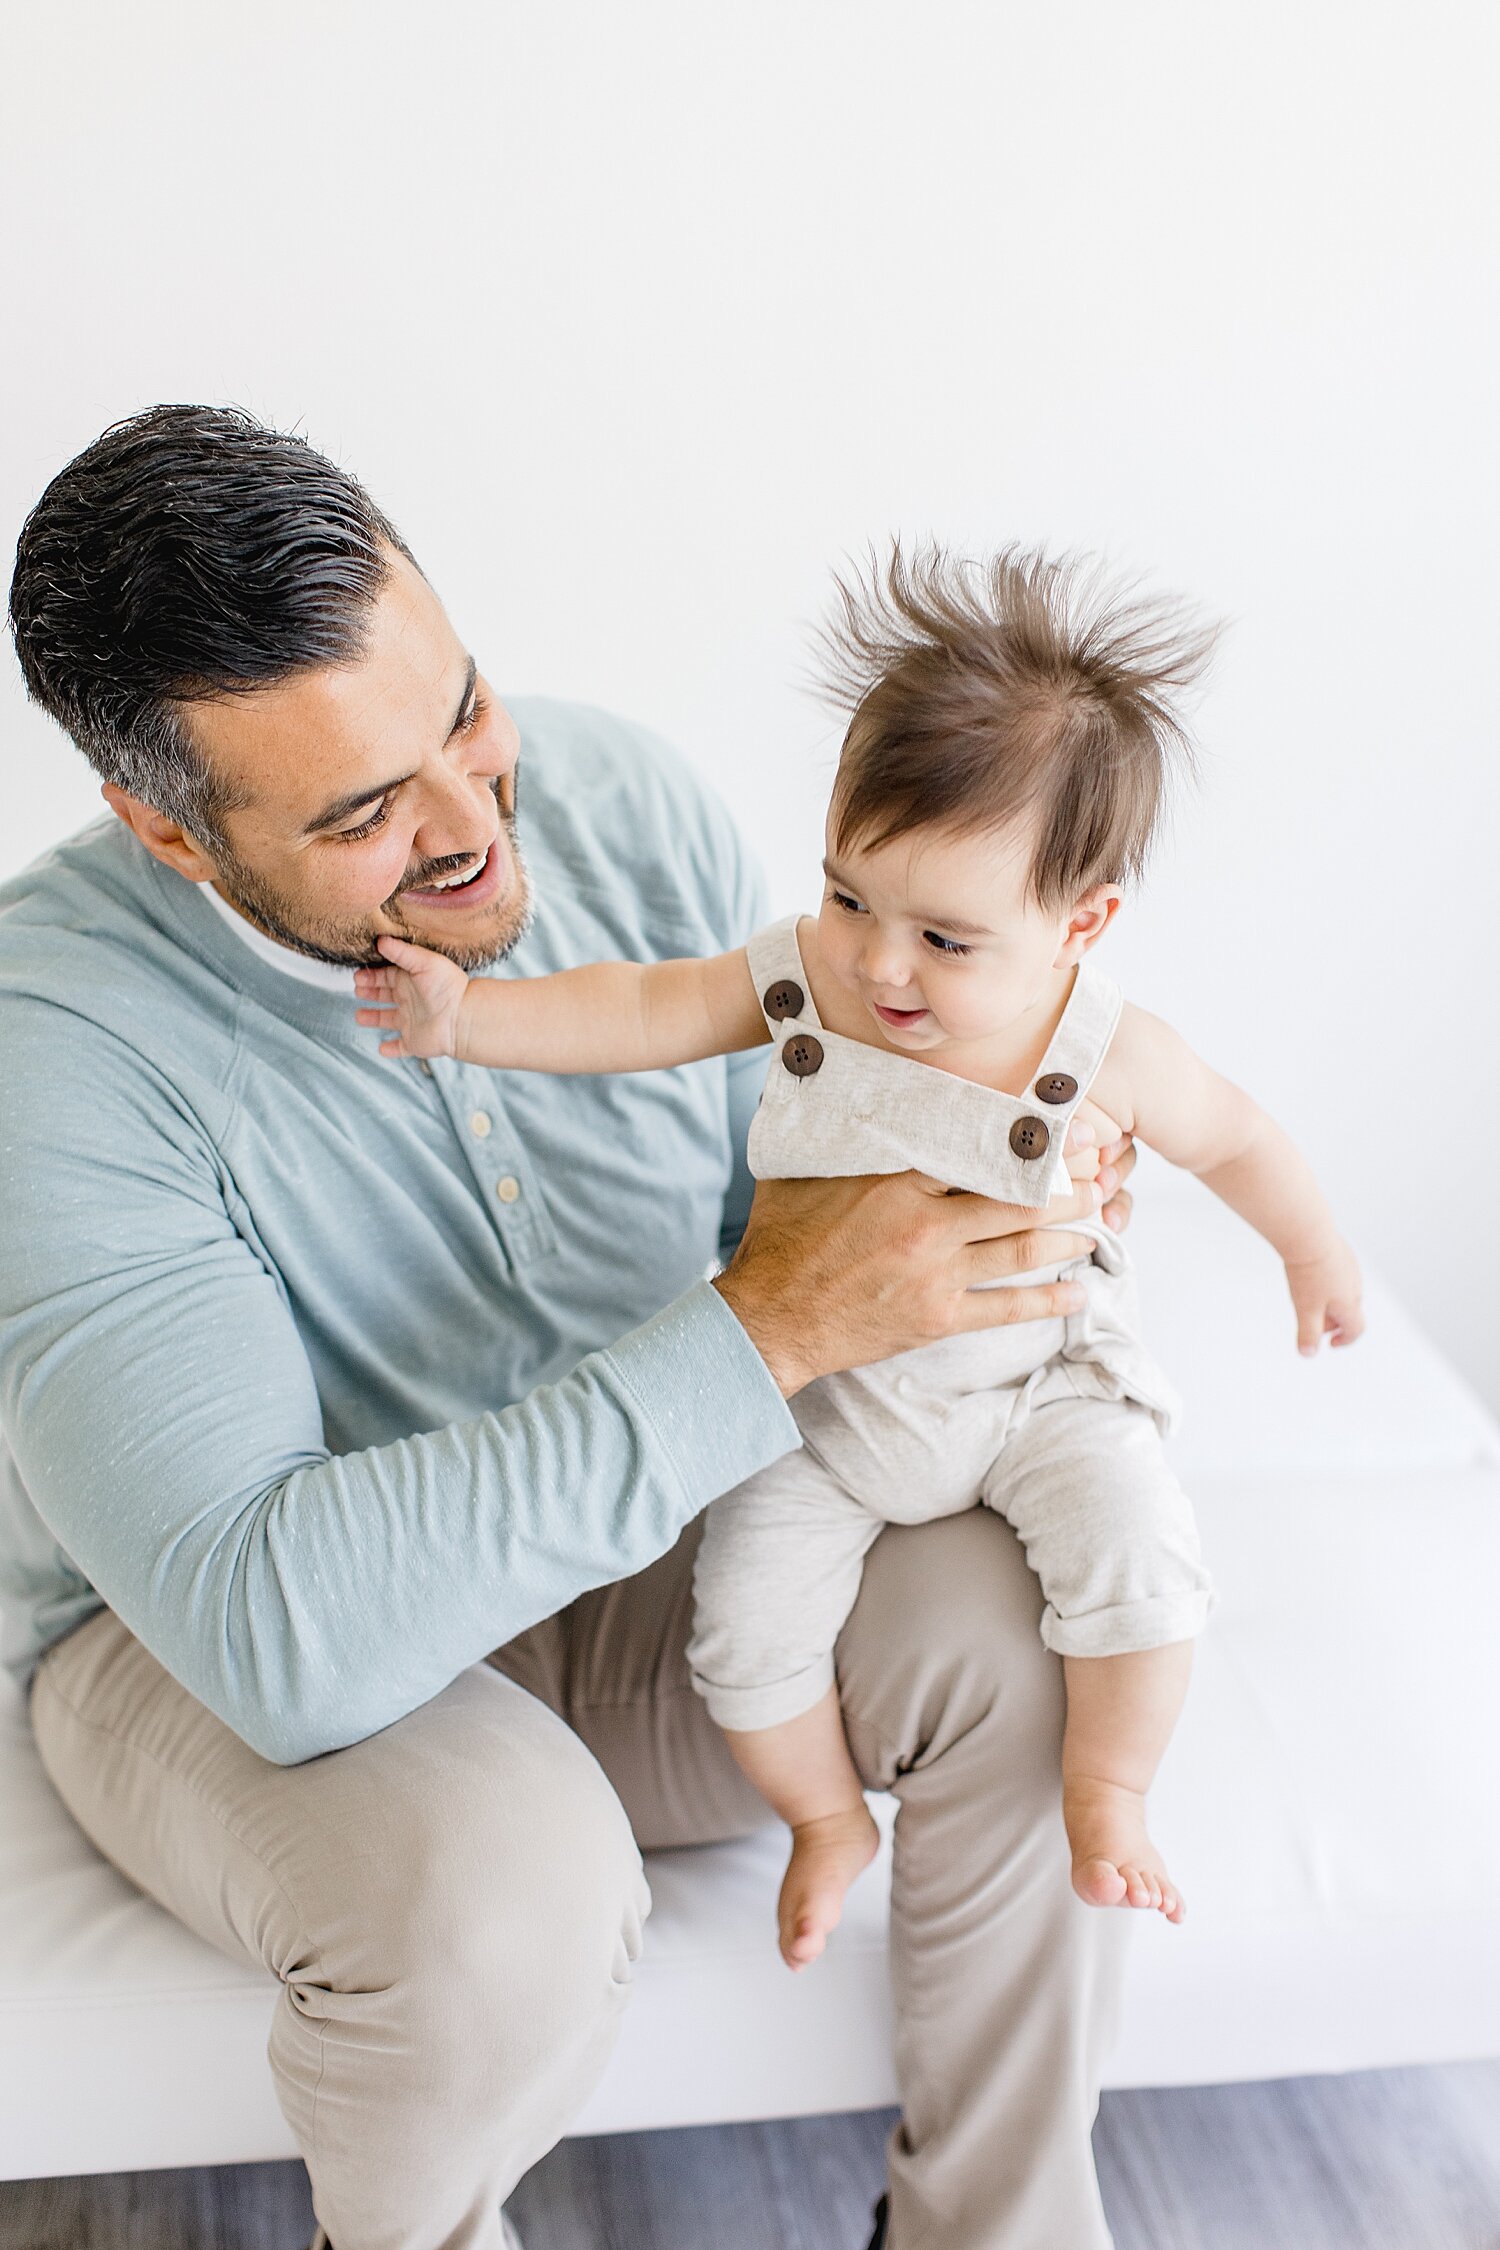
(326, 1605)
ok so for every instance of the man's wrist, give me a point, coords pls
(787, 1368)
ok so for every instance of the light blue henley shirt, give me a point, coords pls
(330, 1373)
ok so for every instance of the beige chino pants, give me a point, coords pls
(454, 1906)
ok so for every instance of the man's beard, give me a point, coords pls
(353, 948)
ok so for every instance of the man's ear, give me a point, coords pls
(1088, 922)
(163, 838)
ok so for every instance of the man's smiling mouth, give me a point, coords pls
(476, 883)
(457, 882)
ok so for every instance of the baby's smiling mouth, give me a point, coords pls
(898, 1018)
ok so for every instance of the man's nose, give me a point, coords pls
(496, 754)
(495, 749)
(457, 816)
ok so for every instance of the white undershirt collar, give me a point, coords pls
(327, 975)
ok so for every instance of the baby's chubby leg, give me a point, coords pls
(1110, 1534)
(803, 1768)
(777, 1575)
(1121, 1713)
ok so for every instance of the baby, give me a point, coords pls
(1001, 779)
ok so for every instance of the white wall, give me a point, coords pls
(636, 317)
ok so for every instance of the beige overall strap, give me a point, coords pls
(780, 978)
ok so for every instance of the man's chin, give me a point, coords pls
(496, 932)
(477, 936)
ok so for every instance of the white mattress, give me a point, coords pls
(1329, 1804)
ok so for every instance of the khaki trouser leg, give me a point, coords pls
(453, 1908)
(1006, 1985)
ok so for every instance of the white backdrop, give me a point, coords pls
(637, 317)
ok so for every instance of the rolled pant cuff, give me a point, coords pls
(745, 1710)
(1129, 1627)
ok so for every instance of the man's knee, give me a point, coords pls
(944, 1649)
(498, 1895)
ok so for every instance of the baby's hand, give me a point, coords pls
(1327, 1292)
(1098, 1150)
(418, 997)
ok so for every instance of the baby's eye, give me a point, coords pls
(945, 944)
(849, 905)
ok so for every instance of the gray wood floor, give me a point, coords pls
(1386, 2160)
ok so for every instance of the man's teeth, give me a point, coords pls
(457, 882)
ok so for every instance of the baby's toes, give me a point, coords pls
(1099, 1882)
(801, 1942)
(1137, 1887)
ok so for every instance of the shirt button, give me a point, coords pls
(426, 1067)
(507, 1189)
(479, 1123)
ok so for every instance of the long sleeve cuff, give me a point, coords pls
(706, 1392)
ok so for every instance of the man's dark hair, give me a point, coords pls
(189, 553)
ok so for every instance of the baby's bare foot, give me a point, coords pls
(827, 1854)
(1115, 1862)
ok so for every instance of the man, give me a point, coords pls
(362, 1413)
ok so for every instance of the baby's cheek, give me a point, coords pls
(977, 1013)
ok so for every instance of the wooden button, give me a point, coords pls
(783, 1000)
(1029, 1138)
(803, 1055)
(1057, 1086)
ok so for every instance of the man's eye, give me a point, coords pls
(945, 944)
(472, 716)
(368, 827)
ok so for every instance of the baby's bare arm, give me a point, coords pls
(1194, 1117)
(612, 1016)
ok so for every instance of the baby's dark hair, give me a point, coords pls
(1025, 689)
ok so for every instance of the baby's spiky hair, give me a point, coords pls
(1025, 690)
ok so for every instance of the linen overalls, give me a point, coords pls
(1055, 1424)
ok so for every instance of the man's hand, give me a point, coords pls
(838, 1273)
(417, 998)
